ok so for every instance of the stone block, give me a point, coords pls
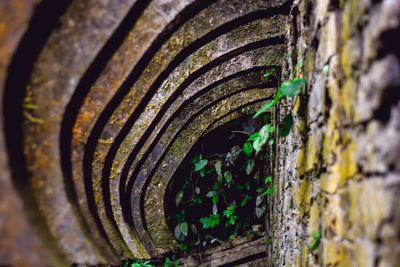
(371, 204)
(335, 219)
(382, 75)
(342, 170)
(329, 38)
(317, 101)
(379, 146)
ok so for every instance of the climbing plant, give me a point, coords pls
(137, 263)
(223, 195)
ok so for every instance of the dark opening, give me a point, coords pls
(219, 191)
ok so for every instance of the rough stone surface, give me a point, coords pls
(338, 170)
(20, 242)
(102, 100)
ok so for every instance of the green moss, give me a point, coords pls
(302, 196)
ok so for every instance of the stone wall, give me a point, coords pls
(102, 100)
(338, 172)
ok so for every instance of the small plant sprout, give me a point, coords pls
(316, 240)
(269, 73)
(229, 213)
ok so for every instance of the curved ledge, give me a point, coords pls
(160, 177)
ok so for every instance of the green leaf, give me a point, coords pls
(178, 198)
(211, 194)
(178, 233)
(197, 190)
(228, 176)
(268, 241)
(203, 172)
(268, 179)
(233, 155)
(325, 69)
(166, 263)
(214, 199)
(269, 104)
(215, 186)
(230, 210)
(286, 125)
(247, 184)
(248, 149)
(258, 200)
(196, 158)
(315, 244)
(183, 247)
(266, 130)
(258, 143)
(215, 209)
(194, 228)
(269, 72)
(316, 234)
(299, 65)
(267, 192)
(260, 211)
(217, 166)
(184, 228)
(254, 136)
(200, 165)
(264, 108)
(245, 200)
(271, 142)
(264, 134)
(249, 165)
(293, 87)
(195, 201)
(240, 187)
(211, 221)
(231, 220)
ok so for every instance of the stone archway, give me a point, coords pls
(99, 96)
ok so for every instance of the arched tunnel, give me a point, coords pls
(105, 103)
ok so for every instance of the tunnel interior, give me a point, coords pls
(199, 198)
(199, 133)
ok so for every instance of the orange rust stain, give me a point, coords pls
(41, 159)
(2, 29)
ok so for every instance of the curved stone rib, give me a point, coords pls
(137, 158)
(112, 77)
(193, 109)
(209, 95)
(233, 116)
(246, 60)
(209, 52)
(18, 211)
(108, 78)
(97, 232)
(153, 204)
(150, 116)
(78, 151)
(53, 82)
(168, 13)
